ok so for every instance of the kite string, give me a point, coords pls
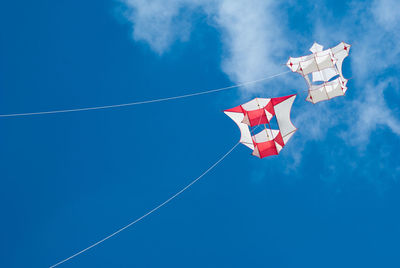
(151, 211)
(146, 101)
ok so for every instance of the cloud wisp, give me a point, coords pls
(160, 23)
(252, 39)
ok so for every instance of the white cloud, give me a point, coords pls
(160, 22)
(377, 39)
(386, 13)
(371, 111)
(252, 38)
(373, 29)
(251, 31)
(377, 52)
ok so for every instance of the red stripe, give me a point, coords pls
(270, 108)
(276, 101)
(257, 117)
(279, 139)
(267, 148)
(237, 109)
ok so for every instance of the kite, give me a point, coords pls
(259, 112)
(325, 69)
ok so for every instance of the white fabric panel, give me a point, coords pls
(282, 112)
(308, 81)
(318, 94)
(256, 152)
(265, 135)
(255, 104)
(245, 137)
(294, 66)
(327, 90)
(343, 82)
(324, 75)
(268, 115)
(334, 90)
(340, 48)
(323, 53)
(317, 63)
(344, 89)
(296, 62)
(287, 137)
(326, 61)
(316, 47)
(246, 120)
(251, 105)
(308, 66)
(278, 147)
(340, 54)
(262, 101)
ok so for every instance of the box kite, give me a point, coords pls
(258, 113)
(322, 71)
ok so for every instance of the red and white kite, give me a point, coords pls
(322, 66)
(260, 111)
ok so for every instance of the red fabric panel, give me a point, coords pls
(278, 100)
(237, 109)
(279, 139)
(270, 108)
(257, 117)
(267, 148)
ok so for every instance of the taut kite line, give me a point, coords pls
(145, 101)
(150, 212)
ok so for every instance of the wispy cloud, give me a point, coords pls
(386, 13)
(251, 31)
(161, 23)
(252, 37)
(371, 112)
(373, 29)
(376, 54)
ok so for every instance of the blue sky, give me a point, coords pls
(330, 199)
